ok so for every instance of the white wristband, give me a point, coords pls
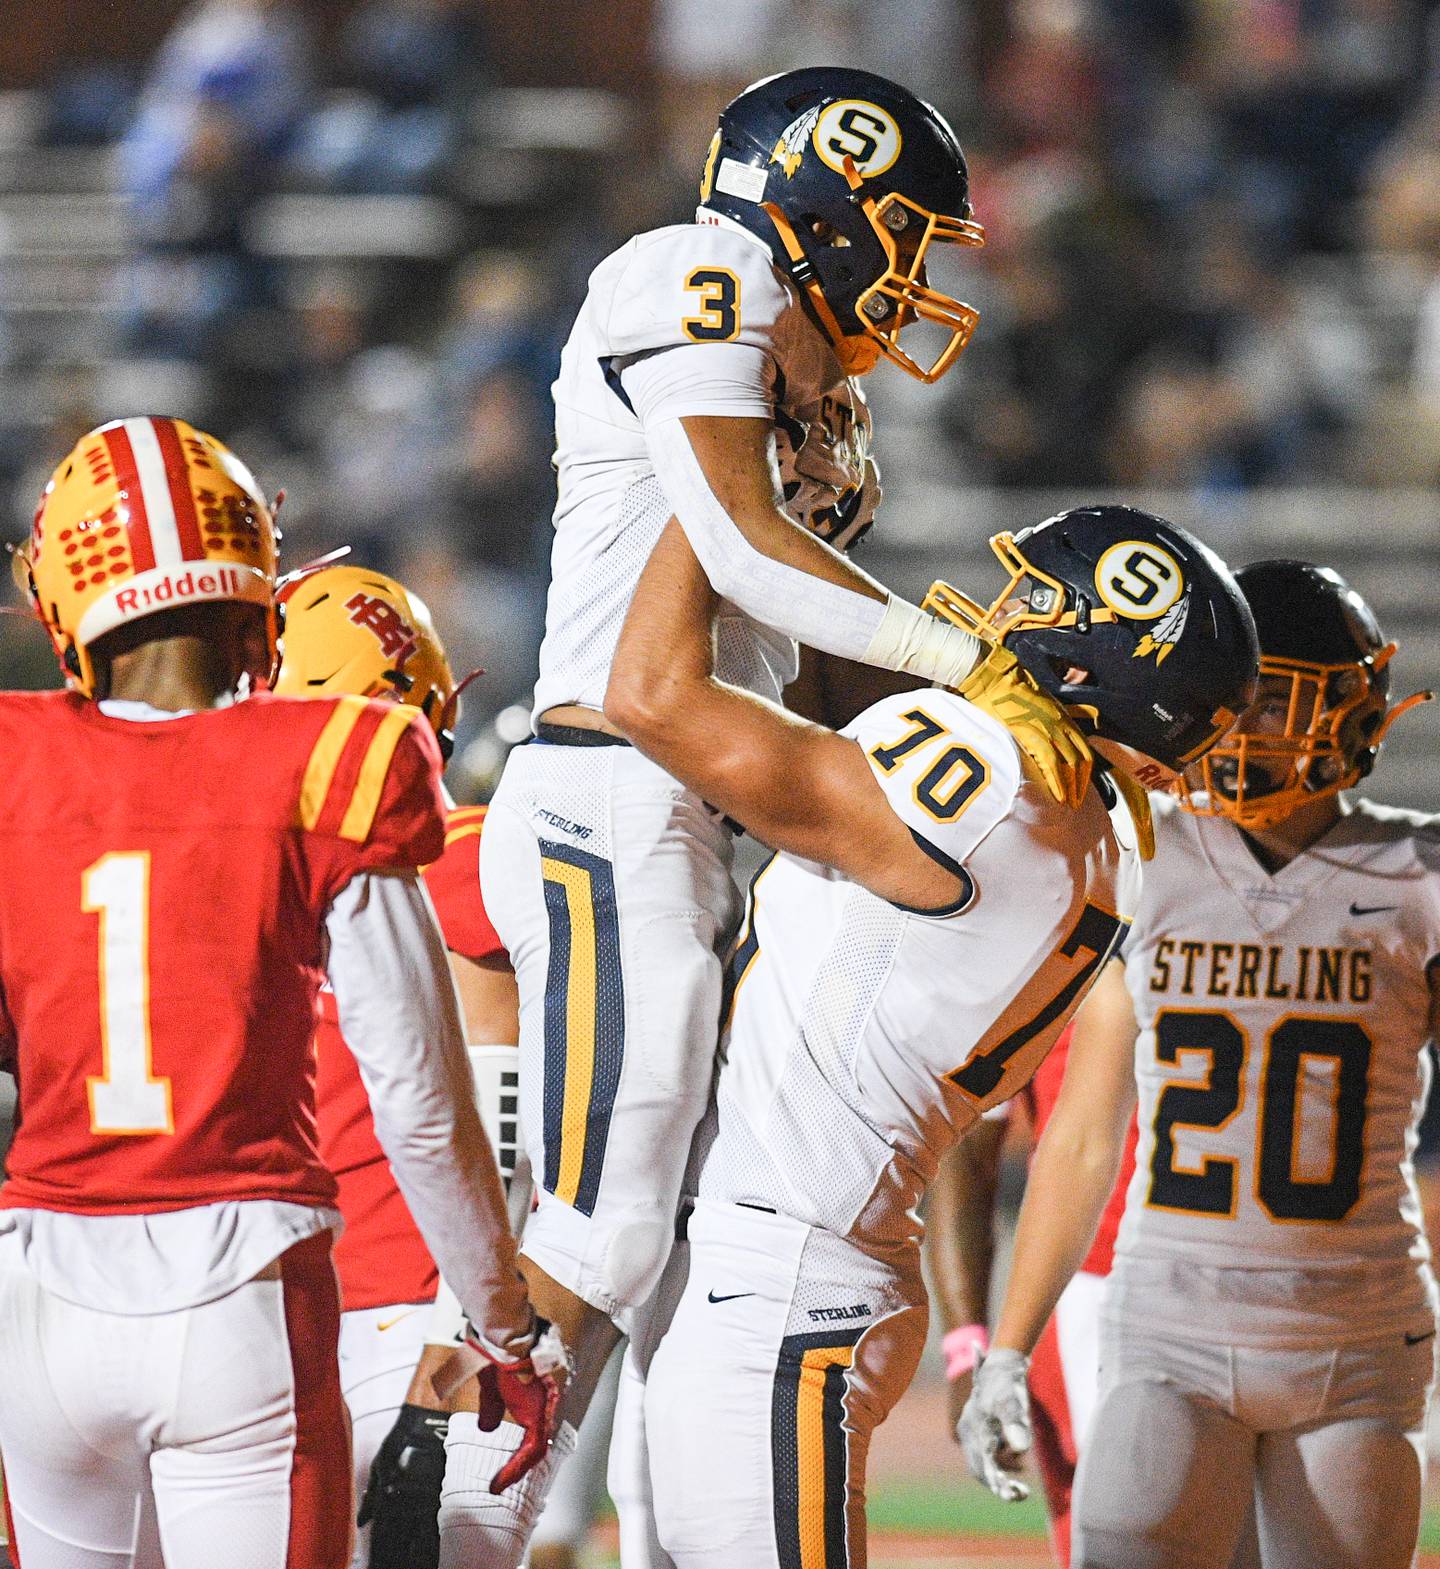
(912, 640)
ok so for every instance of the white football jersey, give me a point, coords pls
(863, 1038)
(696, 287)
(1282, 1072)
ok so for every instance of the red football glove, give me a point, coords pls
(530, 1391)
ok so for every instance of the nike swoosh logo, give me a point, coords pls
(730, 1297)
(1414, 1340)
(389, 1323)
(1371, 909)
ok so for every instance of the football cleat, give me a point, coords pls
(849, 179)
(143, 515)
(349, 630)
(1129, 622)
(1322, 709)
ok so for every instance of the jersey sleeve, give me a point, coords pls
(949, 772)
(697, 288)
(370, 797)
(453, 883)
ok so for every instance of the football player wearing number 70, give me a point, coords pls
(1269, 1324)
(711, 376)
(186, 857)
(930, 920)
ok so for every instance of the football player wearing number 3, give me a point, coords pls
(1269, 1327)
(187, 856)
(929, 922)
(711, 376)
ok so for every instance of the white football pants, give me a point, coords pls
(1329, 1441)
(379, 1348)
(610, 886)
(788, 1348)
(216, 1435)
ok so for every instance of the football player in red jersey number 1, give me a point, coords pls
(187, 858)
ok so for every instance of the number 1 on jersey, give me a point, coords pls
(126, 1098)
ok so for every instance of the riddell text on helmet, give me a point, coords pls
(224, 582)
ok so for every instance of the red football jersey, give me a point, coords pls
(161, 935)
(380, 1256)
(1041, 1094)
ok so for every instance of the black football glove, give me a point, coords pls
(402, 1498)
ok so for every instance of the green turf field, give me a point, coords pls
(916, 1523)
(926, 1511)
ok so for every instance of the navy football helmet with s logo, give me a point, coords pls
(1129, 622)
(1323, 708)
(849, 179)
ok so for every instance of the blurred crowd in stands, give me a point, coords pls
(1213, 256)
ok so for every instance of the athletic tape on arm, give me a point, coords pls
(893, 634)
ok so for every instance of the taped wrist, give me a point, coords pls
(912, 640)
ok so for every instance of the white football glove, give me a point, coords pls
(994, 1427)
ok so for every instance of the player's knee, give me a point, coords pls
(635, 1259)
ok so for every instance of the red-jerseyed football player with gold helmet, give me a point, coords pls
(187, 857)
(350, 630)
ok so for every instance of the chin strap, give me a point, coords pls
(854, 359)
(1139, 803)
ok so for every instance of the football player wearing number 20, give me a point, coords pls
(1269, 1327)
(186, 858)
(711, 376)
(929, 922)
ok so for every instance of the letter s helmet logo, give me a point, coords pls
(1138, 580)
(863, 132)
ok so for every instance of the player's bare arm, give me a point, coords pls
(1072, 1174)
(960, 1240)
(489, 999)
(1076, 1161)
(795, 785)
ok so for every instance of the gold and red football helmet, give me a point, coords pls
(350, 630)
(1323, 705)
(143, 515)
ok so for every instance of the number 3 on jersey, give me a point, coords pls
(126, 1098)
(718, 317)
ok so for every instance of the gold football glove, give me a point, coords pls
(1041, 727)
